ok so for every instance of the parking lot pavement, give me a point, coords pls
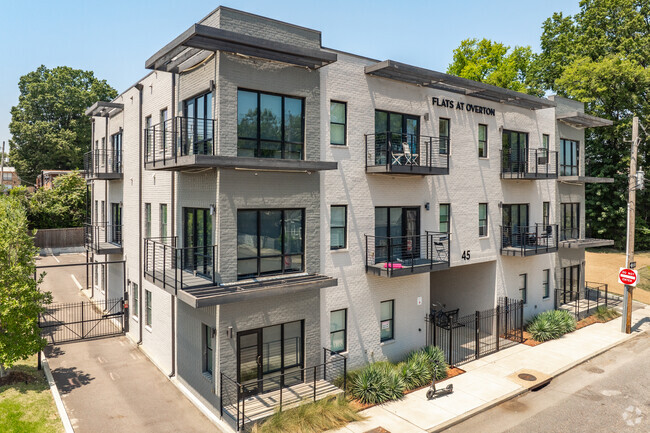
(65, 283)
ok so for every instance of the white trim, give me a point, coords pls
(65, 420)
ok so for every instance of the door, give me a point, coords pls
(198, 114)
(249, 361)
(402, 226)
(515, 224)
(570, 282)
(197, 241)
(116, 221)
(117, 152)
(412, 138)
(391, 130)
(515, 148)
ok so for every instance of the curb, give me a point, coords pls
(65, 420)
(517, 393)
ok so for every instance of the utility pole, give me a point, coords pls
(626, 325)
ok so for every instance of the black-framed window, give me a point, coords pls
(394, 131)
(197, 128)
(397, 231)
(115, 159)
(482, 219)
(163, 126)
(444, 134)
(269, 125)
(569, 157)
(338, 330)
(570, 281)
(338, 123)
(546, 214)
(148, 136)
(523, 287)
(546, 283)
(135, 300)
(147, 220)
(387, 320)
(545, 142)
(570, 221)
(208, 349)
(444, 217)
(148, 316)
(163, 220)
(270, 241)
(482, 140)
(338, 227)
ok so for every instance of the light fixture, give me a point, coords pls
(426, 117)
(427, 206)
(229, 332)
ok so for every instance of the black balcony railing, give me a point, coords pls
(102, 161)
(97, 236)
(175, 268)
(529, 164)
(407, 153)
(567, 233)
(397, 254)
(529, 240)
(179, 136)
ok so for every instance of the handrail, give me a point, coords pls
(529, 163)
(392, 149)
(531, 238)
(96, 233)
(179, 136)
(399, 252)
(103, 161)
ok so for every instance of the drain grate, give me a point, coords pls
(526, 376)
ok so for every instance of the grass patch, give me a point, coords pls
(551, 324)
(644, 279)
(326, 414)
(28, 408)
(604, 314)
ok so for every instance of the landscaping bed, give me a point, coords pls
(552, 324)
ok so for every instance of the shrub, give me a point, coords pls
(551, 324)
(377, 383)
(603, 313)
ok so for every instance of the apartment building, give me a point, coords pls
(279, 205)
(10, 178)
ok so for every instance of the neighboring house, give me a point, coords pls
(10, 178)
(273, 198)
(46, 178)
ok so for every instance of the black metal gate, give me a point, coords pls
(63, 323)
(466, 338)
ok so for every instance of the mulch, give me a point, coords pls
(590, 320)
(15, 377)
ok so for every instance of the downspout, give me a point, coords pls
(139, 86)
(173, 207)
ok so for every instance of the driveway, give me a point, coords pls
(109, 385)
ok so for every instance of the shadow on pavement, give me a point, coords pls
(53, 351)
(640, 323)
(68, 379)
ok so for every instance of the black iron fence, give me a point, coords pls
(102, 233)
(399, 252)
(396, 150)
(584, 301)
(102, 161)
(257, 399)
(179, 136)
(529, 163)
(529, 240)
(175, 268)
(62, 323)
(470, 337)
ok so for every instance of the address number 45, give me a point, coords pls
(465, 255)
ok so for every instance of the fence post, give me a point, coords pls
(606, 287)
(451, 331)
(477, 337)
(83, 332)
(507, 307)
(435, 331)
(240, 393)
(324, 364)
(315, 383)
(587, 296)
(345, 374)
(281, 386)
(221, 394)
(521, 321)
(498, 330)
(577, 306)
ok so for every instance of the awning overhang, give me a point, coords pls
(585, 179)
(193, 45)
(104, 109)
(451, 83)
(582, 120)
(586, 243)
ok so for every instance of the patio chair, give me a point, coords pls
(397, 158)
(411, 158)
(441, 252)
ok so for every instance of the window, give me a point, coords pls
(546, 214)
(197, 137)
(338, 227)
(394, 131)
(149, 137)
(103, 220)
(208, 350)
(482, 141)
(163, 220)
(522, 287)
(545, 142)
(569, 157)
(338, 328)
(445, 211)
(115, 157)
(569, 221)
(482, 219)
(546, 273)
(269, 126)
(163, 127)
(148, 310)
(338, 117)
(6, 176)
(147, 220)
(386, 320)
(270, 242)
(96, 214)
(136, 301)
(444, 135)
(397, 233)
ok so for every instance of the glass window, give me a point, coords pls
(546, 214)
(269, 126)
(148, 309)
(546, 282)
(147, 220)
(338, 326)
(523, 286)
(545, 141)
(135, 311)
(196, 129)
(338, 112)
(208, 349)
(445, 211)
(6, 176)
(338, 227)
(163, 127)
(482, 219)
(482, 141)
(148, 137)
(570, 221)
(444, 135)
(569, 157)
(163, 220)
(386, 320)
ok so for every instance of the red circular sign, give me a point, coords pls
(627, 276)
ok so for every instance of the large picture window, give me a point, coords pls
(269, 126)
(569, 157)
(270, 242)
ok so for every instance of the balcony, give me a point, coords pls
(408, 154)
(184, 144)
(529, 164)
(103, 238)
(103, 164)
(398, 256)
(529, 240)
(570, 238)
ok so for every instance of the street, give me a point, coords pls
(607, 394)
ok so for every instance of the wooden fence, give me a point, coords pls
(59, 238)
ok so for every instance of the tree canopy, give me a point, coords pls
(48, 126)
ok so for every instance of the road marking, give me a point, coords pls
(57, 260)
(101, 360)
(133, 356)
(75, 281)
(114, 376)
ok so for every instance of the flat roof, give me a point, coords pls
(578, 119)
(451, 83)
(190, 47)
(104, 109)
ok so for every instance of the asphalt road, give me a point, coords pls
(610, 393)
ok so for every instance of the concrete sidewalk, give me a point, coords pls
(491, 380)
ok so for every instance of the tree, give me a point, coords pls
(48, 126)
(20, 300)
(494, 63)
(62, 206)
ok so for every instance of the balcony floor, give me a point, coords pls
(420, 266)
(419, 170)
(527, 251)
(105, 176)
(527, 176)
(586, 243)
(198, 161)
(106, 248)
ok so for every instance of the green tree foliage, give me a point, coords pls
(495, 63)
(20, 299)
(62, 206)
(48, 126)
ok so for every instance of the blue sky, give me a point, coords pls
(114, 38)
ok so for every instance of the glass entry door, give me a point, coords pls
(197, 241)
(249, 360)
(197, 126)
(396, 129)
(402, 226)
(570, 282)
(116, 227)
(515, 224)
(515, 148)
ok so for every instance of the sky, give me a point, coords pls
(114, 38)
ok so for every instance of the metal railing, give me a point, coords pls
(392, 150)
(583, 301)
(102, 161)
(179, 136)
(399, 252)
(175, 268)
(99, 233)
(318, 381)
(529, 163)
(535, 239)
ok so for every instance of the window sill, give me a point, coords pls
(148, 328)
(340, 250)
(207, 376)
(387, 342)
(482, 238)
(135, 318)
(339, 146)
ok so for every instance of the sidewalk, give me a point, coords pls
(489, 381)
